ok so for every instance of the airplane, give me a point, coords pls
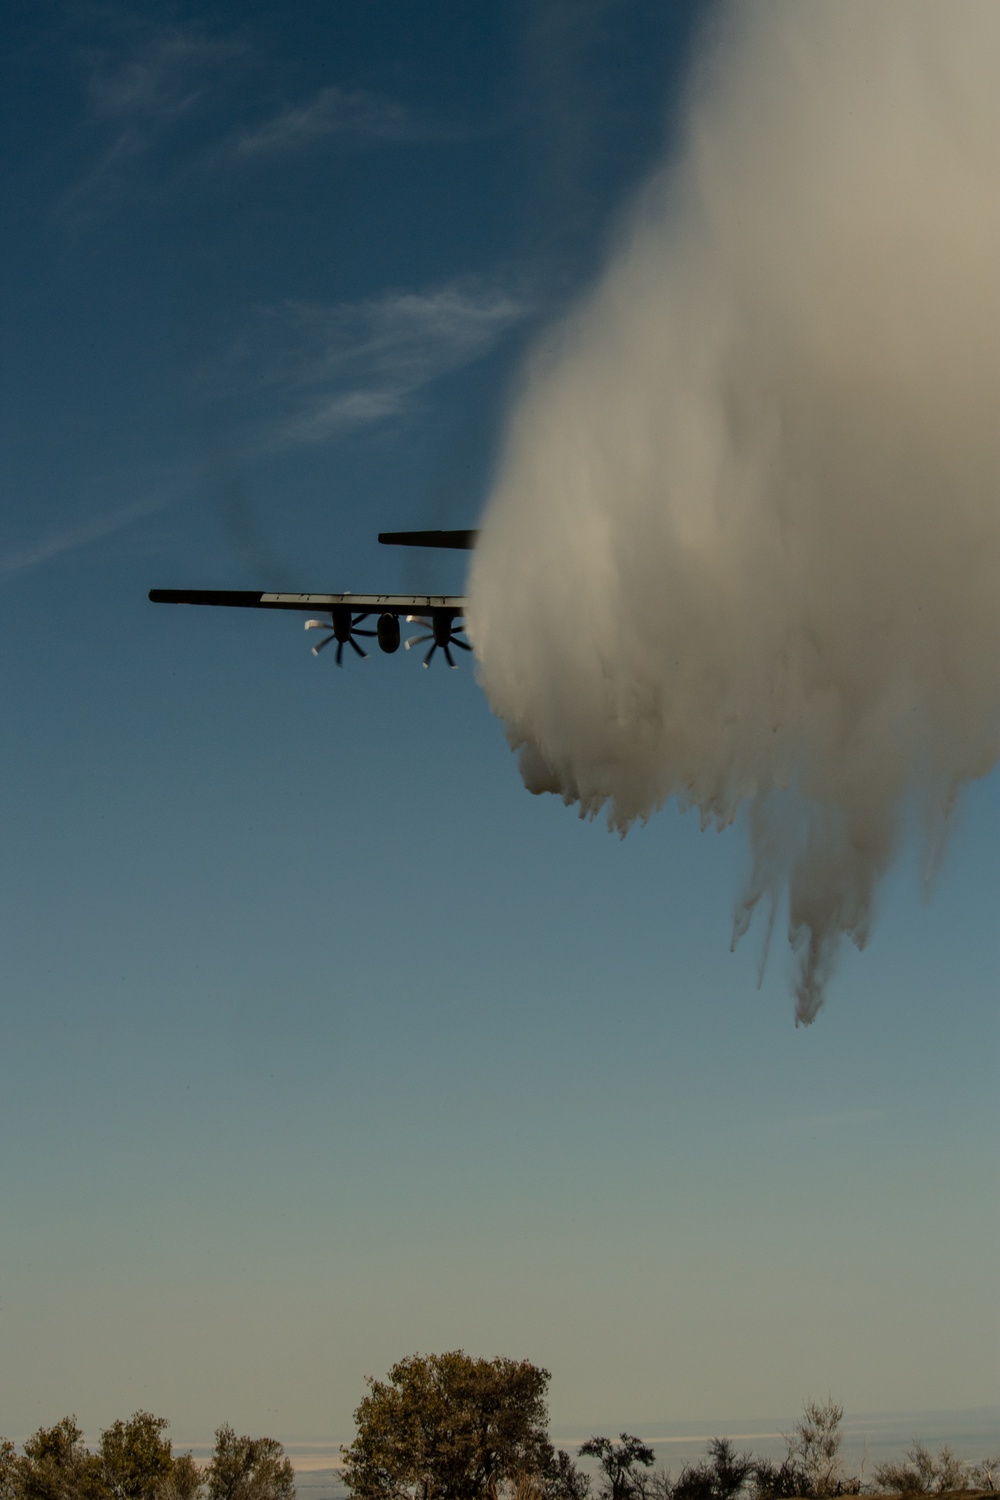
(439, 614)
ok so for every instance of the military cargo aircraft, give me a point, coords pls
(440, 614)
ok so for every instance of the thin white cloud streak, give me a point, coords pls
(148, 82)
(352, 365)
(126, 148)
(145, 83)
(72, 538)
(161, 77)
(744, 545)
(333, 113)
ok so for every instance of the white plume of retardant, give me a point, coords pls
(744, 545)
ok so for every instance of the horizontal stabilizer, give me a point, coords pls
(463, 540)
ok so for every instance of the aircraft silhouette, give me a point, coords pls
(439, 614)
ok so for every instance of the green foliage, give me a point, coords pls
(620, 1463)
(57, 1466)
(135, 1457)
(245, 1468)
(9, 1471)
(450, 1427)
(184, 1480)
(134, 1461)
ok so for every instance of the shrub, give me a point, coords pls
(924, 1474)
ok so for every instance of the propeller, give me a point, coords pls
(343, 627)
(440, 631)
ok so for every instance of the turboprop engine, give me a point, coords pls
(342, 629)
(440, 630)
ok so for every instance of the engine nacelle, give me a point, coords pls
(388, 632)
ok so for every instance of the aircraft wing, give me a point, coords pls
(387, 604)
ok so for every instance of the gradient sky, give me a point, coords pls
(322, 1041)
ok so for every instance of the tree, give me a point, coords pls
(721, 1476)
(987, 1473)
(135, 1458)
(814, 1446)
(133, 1462)
(563, 1479)
(10, 1471)
(57, 1466)
(184, 1480)
(951, 1474)
(245, 1468)
(450, 1427)
(618, 1462)
(560, 1479)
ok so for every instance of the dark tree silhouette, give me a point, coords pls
(720, 1476)
(620, 1463)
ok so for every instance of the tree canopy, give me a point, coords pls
(245, 1468)
(57, 1466)
(449, 1427)
(134, 1458)
(135, 1461)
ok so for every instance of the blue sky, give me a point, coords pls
(323, 1041)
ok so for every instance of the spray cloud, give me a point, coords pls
(743, 545)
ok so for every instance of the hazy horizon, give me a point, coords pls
(869, 1438)
(973, 1432)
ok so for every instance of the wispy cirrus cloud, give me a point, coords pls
(158, 75)
(71, 538)
(164, 96)
(333, 113)
(333, 368)
(145, 85)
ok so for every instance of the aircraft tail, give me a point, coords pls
(464, 540)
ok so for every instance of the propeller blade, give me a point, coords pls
(415, 640)
(358, 618)
(353, 642)
(321, 645)
(463, 645)
(317, 625)
(448, 656)
(427, 658)
(340, 653)
(418, 620)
